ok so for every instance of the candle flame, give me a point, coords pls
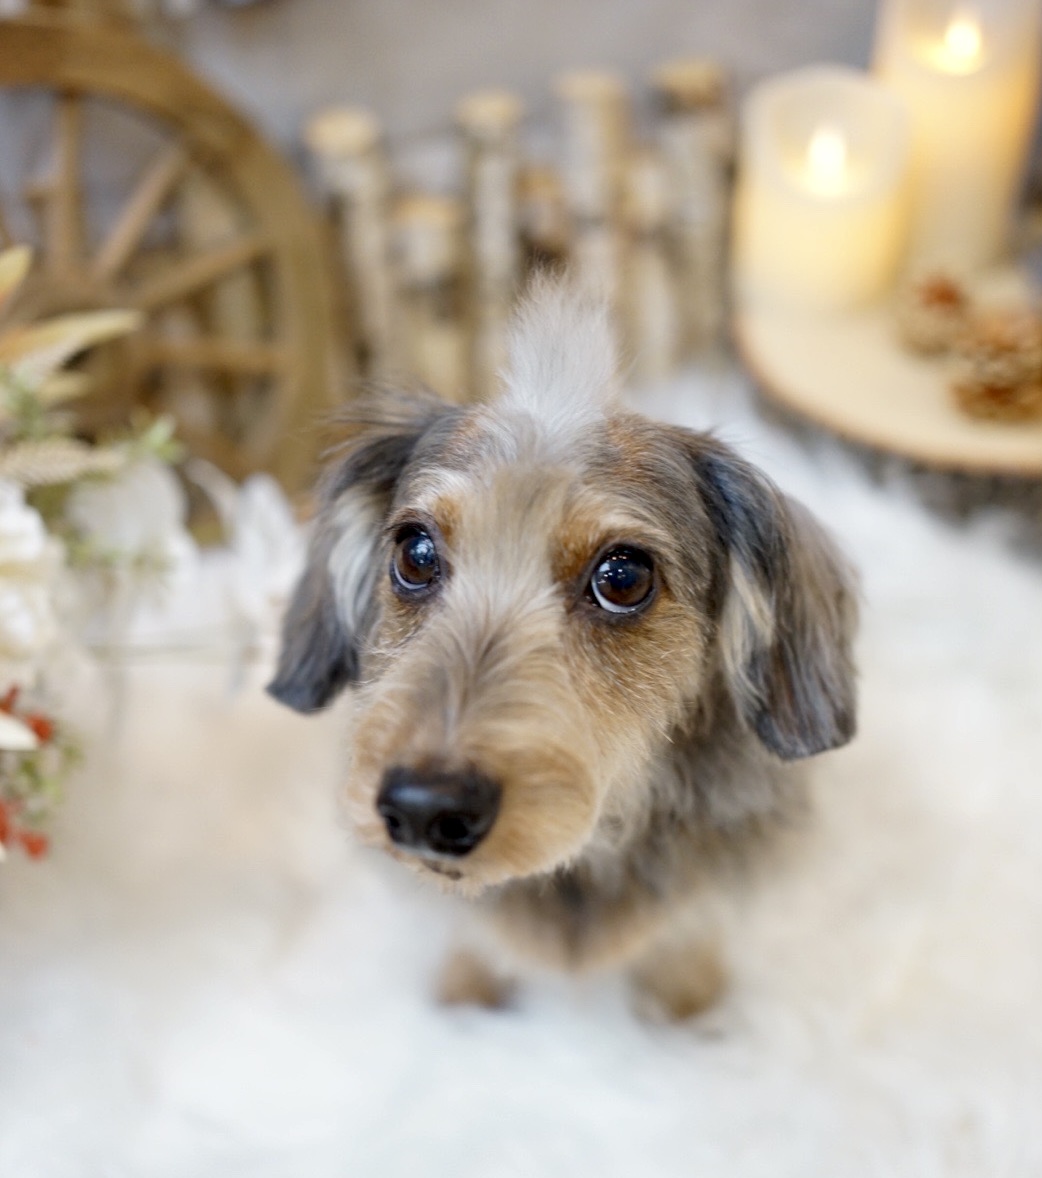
(962, 37)
(961, 46)
(827, 157)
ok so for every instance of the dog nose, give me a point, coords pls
(448, 813)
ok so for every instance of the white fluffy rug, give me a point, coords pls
(203, 979)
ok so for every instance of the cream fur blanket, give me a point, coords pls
(204, 980)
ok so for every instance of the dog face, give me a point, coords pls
(533, 596)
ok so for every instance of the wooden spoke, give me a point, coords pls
(6, 237)
(198, 271)
(249, 359)
(64, 224)
(232, 458)
(245, 367)
(153, 189)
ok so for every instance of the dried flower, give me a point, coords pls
(31, 774)
(51, 461)
(39, 454)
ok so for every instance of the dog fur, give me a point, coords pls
(640, 757)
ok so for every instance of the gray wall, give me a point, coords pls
(411, 59)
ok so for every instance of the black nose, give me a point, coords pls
(447, 813)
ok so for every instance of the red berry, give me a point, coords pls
(41, 725)
(36, 845)
(9, 700)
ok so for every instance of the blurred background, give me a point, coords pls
(413, 61)
(818, 229)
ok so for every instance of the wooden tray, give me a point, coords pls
(849, 374)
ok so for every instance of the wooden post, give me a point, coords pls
(697, 143)
(651, 312)
(427, 231)
(488, 124)
(545, 229)
(348, 147)
(596, 141)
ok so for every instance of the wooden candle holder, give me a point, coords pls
(850, 374)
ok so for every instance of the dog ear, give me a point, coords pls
(332, 603)
(317, 658)
(789, 611)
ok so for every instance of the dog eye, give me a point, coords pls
(415, 566)
(623, 580)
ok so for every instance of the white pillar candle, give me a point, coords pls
(821, 203)
(968, 71)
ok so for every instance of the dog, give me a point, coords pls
(586, 648)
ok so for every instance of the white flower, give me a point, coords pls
(268, 545)
(27, 622)
(15, 736)
(139, 513)
(29, 560)
(23, 537)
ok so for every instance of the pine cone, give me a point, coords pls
(997, 366)
(931, 312)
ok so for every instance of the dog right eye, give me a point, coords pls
(415, 567)
(623, 581)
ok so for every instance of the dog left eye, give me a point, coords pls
(623, 580)
(415, 566)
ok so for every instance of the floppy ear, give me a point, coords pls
(332, 603)
(789, 611)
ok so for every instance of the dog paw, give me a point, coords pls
(679, 984)
(466, 980)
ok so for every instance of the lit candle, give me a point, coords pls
(827, 161)
(820, 209)
(969, 76)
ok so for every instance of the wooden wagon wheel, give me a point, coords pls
(255, 379)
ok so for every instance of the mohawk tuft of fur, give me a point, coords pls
(562, 358)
